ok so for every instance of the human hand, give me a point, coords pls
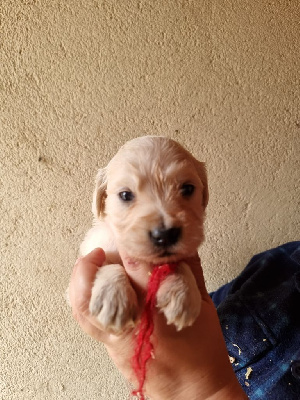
(192, 363)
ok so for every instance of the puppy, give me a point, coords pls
(149, 202)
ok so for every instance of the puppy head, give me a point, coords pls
(153, 195)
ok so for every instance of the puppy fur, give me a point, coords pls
(152, 173)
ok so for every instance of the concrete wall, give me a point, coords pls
(79, 78)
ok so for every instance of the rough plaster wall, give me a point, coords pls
(77, 79)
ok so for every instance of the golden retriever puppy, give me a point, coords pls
(150, 203)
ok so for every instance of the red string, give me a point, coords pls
(143, 346)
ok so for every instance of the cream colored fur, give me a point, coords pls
(153, 169)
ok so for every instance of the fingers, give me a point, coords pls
(82, 279)
(83, 276)
(90, 326)
(195, 265)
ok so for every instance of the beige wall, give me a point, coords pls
(77, 79)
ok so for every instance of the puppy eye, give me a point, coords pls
(187, 189)
(126, 195)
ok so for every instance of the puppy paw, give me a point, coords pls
(113, 301)
(179, 298)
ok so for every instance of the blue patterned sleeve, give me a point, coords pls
(259, 313)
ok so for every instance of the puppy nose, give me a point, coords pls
(165, 237)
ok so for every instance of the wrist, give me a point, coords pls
(232, 391)
(195, 388)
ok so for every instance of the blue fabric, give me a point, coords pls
(259, 313)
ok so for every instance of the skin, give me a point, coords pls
(189, 364)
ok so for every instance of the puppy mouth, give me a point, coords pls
(166, 256)
(167, 253)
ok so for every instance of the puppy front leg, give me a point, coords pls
(113, 300)
(179, 297)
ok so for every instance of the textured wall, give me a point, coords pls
(80, 77)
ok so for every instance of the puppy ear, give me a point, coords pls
(201, 169)
(99, 195)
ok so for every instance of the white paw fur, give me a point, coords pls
(113, 301)
(179, 297)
